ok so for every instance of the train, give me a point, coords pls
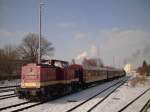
(57, 78)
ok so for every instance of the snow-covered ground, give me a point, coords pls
(113, 103)
(118, 99)
(63, 104)
(9, 83)
(6, 93)
(148, 110)
(10, 101)
(18, 107)
(85, 107)
(123, 96)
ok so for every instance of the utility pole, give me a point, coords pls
(98, 54)
(40, 32)
(114, 61)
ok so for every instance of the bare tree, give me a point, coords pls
(144, 69)
(7, 56)
(28, 50)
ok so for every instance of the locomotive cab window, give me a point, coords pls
(76, 73)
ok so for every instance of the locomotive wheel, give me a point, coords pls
(20, 96)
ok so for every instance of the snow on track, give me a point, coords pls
(117, 100)
(87, 106)
(6, 90)
(120, 98)
(10, 101)
(5, 83)
(63, 104)
(17, 107)
(137, 106)
(6, 93)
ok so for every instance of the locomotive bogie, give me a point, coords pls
(44, 92)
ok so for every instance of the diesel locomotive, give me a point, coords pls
(56, 78)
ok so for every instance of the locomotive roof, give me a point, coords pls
(75, 66)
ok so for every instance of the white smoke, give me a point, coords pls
(82, 55)
(90, 53)
(93, 50)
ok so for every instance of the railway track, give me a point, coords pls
(15, 105)
(7, 96)
(119, 83)
(146, 106)
(134, 100)
(26, 105)
(7, 93)
(4, 87)
(94, 106)
(6, 90)
(23, 106)
(115, 86)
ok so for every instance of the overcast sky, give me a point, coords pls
(118, 29)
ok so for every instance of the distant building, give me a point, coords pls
(128, 68)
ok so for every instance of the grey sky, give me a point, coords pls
(78, 28)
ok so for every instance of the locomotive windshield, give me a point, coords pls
(58, 63)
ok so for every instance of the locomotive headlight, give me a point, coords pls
(22, 85)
